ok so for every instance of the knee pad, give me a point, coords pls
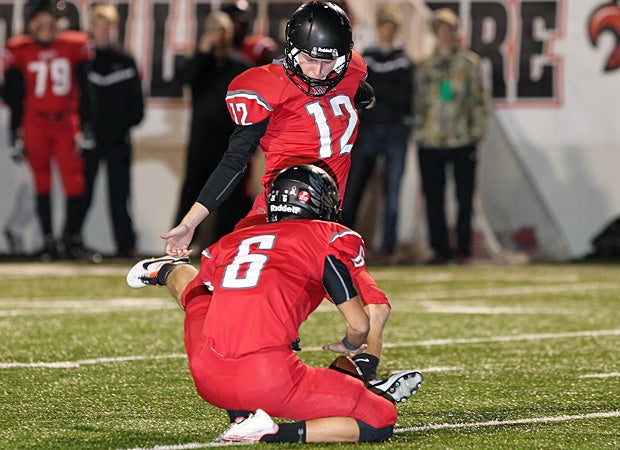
(372, 434)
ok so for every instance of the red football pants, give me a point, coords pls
(276, 381)
(46, 139)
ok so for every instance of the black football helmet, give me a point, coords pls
(321, 30)
(34, 7)
(303, 191)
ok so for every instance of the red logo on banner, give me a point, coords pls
(606, 18)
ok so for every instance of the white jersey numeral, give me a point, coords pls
(240, 108)
(340, 105)
(245, 269)
(59, 70)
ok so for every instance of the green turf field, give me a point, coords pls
(513, 357)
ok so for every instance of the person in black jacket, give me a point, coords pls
(115, 84)
(384, 130)
(208, 73)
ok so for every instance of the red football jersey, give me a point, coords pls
(268, 278)
(49, 75)
(301, 129)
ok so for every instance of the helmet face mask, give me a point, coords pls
(320, 30)
(303, 192)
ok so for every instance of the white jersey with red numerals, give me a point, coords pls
(301, 129)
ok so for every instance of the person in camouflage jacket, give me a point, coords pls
(451, 110)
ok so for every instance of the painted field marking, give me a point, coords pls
(506, 291)
(601, 375)
(87, 362)
(429, 427)
(432, 342)
(499, 423)
(65, 306)
(517, 337)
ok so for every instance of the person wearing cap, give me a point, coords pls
(384, 129)
(451, 108)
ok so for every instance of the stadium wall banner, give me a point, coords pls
(553, 67)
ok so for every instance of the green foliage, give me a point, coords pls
(512, 357)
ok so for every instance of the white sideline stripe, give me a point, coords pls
(499, 423)
(601, 375)
(87, 362)
(64, 306)
(432, 342)
(508, 291)
(517, 337)
(480, 294)
(429, 427)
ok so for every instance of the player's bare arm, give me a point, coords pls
(358, 326)
(179, 238)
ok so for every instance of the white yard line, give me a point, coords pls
(431, 342)
(499, 423)
(88, 362)
(23, 270)
(516, 337)
(430, 427)
(506, 291)
(64, 306)
(601, 375)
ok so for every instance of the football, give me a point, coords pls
(347, 366)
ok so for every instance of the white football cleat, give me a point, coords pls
(400, 386)
(249, 430)
(144, 273)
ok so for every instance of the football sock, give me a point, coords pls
(235, 413)
(44, 211)
(73, 224)
(368, 365)
(288, 432)
(164, 273)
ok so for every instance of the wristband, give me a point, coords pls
(348, 345)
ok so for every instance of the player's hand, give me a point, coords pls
(85, 139)
(178, 240)
(365, 96)
(339, 347)
(16, 146)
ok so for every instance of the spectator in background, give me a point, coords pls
(46, 91)
(115, 82)
(258, 49)
(384, 130)
(22, 213)
(450, 118)
(208, 73)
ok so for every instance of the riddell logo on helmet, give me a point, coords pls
(285, 209)
(323, 50)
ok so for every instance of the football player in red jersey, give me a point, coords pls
(254, 289)
(299, 110)
(45, 80)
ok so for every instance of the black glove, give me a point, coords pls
(295, 345)
(86, 138)
(365, 96)
(16, 146)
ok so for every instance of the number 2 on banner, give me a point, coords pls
(59, 70)
(245, 269)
